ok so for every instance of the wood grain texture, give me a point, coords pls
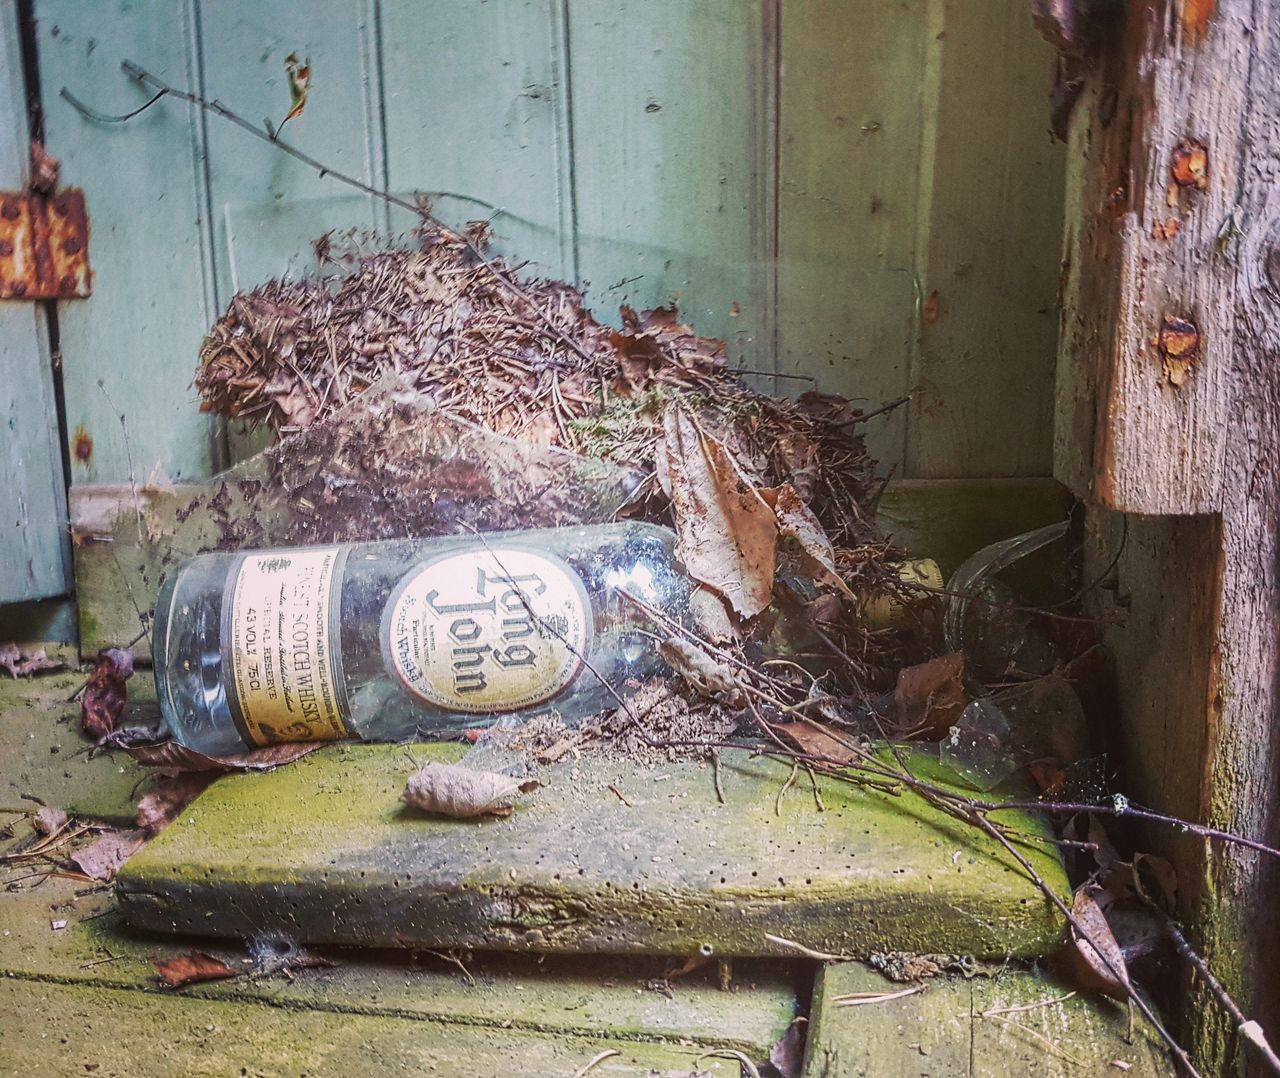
(989, 233)
(1143, 249)
(1246, 690)
(476, 117)
(1199, 599)
(670, 132)
(131, 348)
(34, 547)
(852, 97)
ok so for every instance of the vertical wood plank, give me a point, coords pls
(1139, 427)
(34, 542)
(990, 231)
(849, 158)
(268, 209)
(671, 131)
(476, 118)
(131, 348)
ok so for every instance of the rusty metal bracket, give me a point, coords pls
(44, 245)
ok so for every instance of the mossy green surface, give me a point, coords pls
(625, 999)
(324, 850)
(58, 1030)
(986, 1027)
(44, 755)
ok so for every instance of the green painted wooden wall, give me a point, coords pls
(35, 549)
(860, 191)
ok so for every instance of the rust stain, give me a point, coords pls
(1189, 164)
(44, 245)
(929, 309)
(1196, 17)
(1166, 229)
(1188, 172)
(82, 445)
(1179, 343)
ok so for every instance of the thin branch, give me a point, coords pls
(271, 137)
(1249, 1030)
(1125, 808)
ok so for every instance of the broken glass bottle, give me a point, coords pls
(388, 640)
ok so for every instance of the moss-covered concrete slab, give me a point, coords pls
(55, 1029)
(626, 999)
(970, 1027)
(606, 858)
(44, 755)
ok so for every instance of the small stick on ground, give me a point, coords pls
(598, 1058)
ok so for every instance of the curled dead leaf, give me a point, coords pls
(1092, 955)
(797, 523)
(929, 698)
(815, 739)
(462, 792)
(102, 858)
(160, 807)
(105, 694)
(726, 534)
(173, 757)
(192, 969)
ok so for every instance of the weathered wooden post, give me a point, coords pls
(1167, 416)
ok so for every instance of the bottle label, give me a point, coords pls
(278, 635)
(492, 629)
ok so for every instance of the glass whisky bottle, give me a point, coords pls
(391, 640)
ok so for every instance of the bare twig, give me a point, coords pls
(861, 999)
(1246, 1028)
(164, 89)
(596, 1059)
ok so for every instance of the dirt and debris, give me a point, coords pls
(24, 662)
(539, 369)
(903, 966)
(678, 728)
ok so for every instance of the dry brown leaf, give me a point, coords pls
(1089, 953)
(105, 693)
(817, 740)
(705, 675)
(797, 522)
(299, 76)
(712, 617)
(462, 792)
(49, 821)
(192, 969)
(21, 663)
(102, 858)
(726, 534)
(160, 807)
(929, 697)
(173, 757)
(787, 1056)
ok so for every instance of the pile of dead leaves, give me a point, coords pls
(525, 359)
(758, 489)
